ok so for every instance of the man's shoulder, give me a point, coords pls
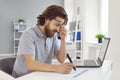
(29, 31)
(28, 34)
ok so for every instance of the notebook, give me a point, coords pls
(99, 61)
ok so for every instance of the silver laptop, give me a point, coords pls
(98, 62)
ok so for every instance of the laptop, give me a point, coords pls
(99, 61)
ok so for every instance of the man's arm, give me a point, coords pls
(60, 55)
(33, 65)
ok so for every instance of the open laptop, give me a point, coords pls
(98, 62)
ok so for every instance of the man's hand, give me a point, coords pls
(63, 32)
(64, 68)
(60, 55)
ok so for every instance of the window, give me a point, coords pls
(104, 17)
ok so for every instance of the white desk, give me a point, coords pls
(103, 73)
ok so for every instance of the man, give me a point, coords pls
(39, 44)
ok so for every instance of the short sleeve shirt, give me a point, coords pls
(33, 42)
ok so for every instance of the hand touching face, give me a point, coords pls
(55, 25)
(63, 32)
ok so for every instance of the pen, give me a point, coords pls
(70, 60)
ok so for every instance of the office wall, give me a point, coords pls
(14, 9)
(114, 31)
(92, 19)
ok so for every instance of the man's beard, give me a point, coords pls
(49, 32)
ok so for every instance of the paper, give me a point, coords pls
(79, 73)
(75, 74)
(5, 76)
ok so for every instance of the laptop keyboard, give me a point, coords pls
(89, 62)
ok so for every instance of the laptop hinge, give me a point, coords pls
(99, 62)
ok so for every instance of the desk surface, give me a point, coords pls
(102, 73)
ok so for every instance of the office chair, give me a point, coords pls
(7, 64)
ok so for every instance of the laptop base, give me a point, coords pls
(88, 63)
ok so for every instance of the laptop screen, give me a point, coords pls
(103, 49)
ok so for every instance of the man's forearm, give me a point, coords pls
(61, 55)
(40, 66)
(33, 65)
(43, 67)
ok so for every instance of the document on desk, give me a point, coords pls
(78, 73)
(75, 74)
(53, 76)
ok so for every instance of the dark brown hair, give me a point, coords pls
(52, 12)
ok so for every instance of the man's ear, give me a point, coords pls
(46, 21)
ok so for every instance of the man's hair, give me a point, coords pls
(52, 12)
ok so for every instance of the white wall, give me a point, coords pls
(92, 19)
(114, 31)
(14, 9)
(69, 7)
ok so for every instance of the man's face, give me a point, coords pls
(53, 26)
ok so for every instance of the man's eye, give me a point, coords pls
(57, 24)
